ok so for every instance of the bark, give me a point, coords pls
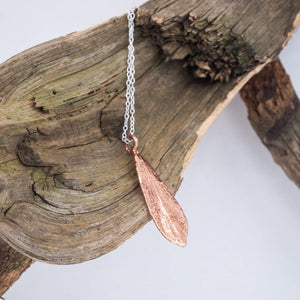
(274, 113)
(68, 189)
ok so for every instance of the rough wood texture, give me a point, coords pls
(68, 189)
(274, 112)
(12, 265)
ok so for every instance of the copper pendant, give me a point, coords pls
(165, 211)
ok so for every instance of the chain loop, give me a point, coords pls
(130, 89)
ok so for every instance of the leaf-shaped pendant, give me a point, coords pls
(165, 211)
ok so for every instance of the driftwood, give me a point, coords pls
(12, 265)
(274, 113)
(68, 190)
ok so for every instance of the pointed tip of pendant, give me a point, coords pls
(180, 241)
(180, 237)
(181, 244)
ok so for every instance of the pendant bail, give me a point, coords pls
(134, 149)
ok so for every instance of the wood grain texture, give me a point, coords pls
(68, 189)
(274, 112)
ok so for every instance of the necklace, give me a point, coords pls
(165, 211)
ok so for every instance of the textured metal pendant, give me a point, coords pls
(165, 211)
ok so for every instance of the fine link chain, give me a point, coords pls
(129, 105)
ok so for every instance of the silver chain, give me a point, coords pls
(130, 89)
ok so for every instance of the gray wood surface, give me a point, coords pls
(68, 189)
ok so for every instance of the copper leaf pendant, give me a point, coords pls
(165, 211)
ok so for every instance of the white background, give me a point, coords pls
(243, 212)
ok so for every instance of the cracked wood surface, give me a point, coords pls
(274, 112)
(68, 189)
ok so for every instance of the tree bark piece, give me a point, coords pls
(274, 113)
(12, 265)
(68, 189)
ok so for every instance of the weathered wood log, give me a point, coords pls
(12, 265)
(68, 189)
(274, 112)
